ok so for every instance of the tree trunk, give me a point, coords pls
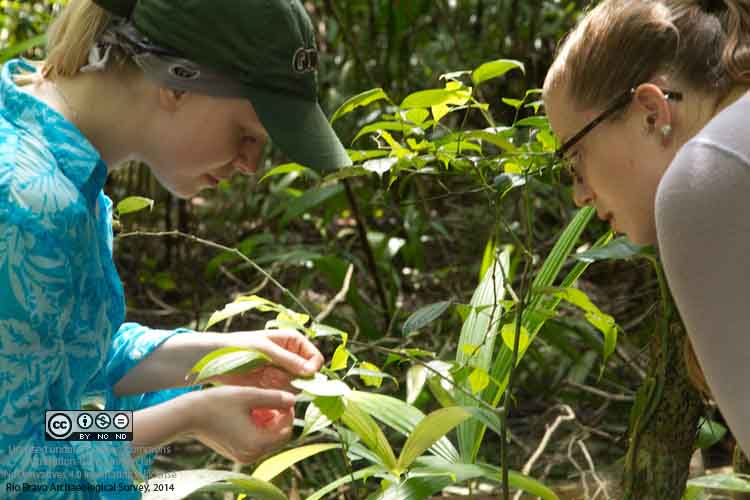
(657, 463)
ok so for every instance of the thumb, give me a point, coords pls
(267, 398)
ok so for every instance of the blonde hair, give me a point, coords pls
(622, 43)
(70, 39)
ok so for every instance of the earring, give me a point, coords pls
(666, 130)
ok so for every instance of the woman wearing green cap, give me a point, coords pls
(193, 89)
(650, 100)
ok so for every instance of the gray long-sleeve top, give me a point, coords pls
(703, 226)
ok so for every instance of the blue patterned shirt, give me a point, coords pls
(62, 337)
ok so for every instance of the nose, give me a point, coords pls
(249, 156)
(582, 195)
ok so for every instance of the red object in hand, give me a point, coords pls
(262, 417)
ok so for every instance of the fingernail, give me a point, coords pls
(310, 367)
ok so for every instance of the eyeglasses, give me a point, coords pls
(620, 101)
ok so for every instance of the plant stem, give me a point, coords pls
(362, 230)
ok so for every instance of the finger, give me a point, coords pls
(275, 378)
(297, 343)
(267, 398)
(288, 360)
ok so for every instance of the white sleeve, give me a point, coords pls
(703, 226)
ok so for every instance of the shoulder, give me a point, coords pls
(32, 186)
(702, 194)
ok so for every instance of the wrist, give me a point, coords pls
(191, 407)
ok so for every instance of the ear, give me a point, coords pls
(171, 99)
(653, 107)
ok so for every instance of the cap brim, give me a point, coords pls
(300, 129)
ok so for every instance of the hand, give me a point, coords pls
(222, 418)
(291, 353)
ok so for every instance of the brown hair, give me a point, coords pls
(619, 44)
(622, 43)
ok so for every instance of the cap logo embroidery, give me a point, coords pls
(305, 60)
(183, 72)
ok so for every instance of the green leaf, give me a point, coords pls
(133, 204)
(417, 116)
(431, 475)
(539, 122)
(603, 322)
(515, 103)
(346, 479)
(552, 266)
(416, 377)
(331, 407)
(495, 69)
(287, 168)
(347, 173)
(478, 380)
(386, 125)
(241, 305)
(509, 337)
(340, 358)
(617, 249)
(372, 379)
(725, 482)
(355, 418)
(709, 433)
(319, 385)
(437, 97)
(310, 200)
(401, 417)
(359, 100)
(424, 316)
(480, 329)
(434, 426)
(180, 484)
(358, 155)
(277, 464)
(228, 360)
(315, 420)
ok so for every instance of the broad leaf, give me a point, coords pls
(424, 316)
(134, 204)
(495, 69)
(287, 168)
(320, 385)
(277, 464)
(359, 100)
(709, 433)
(480, 329)
(401, 417)
(346, 479)
(433, 427)
(228, 360)
(371, 435)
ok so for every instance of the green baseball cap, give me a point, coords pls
(263, 49)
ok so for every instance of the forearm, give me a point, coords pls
(158, 425)
(167, 366)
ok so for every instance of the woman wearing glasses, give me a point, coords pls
(138, 80)
(649, 99)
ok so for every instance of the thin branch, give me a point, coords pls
(569, 415)
(598, 392)
(233, 251)
(340, 297)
